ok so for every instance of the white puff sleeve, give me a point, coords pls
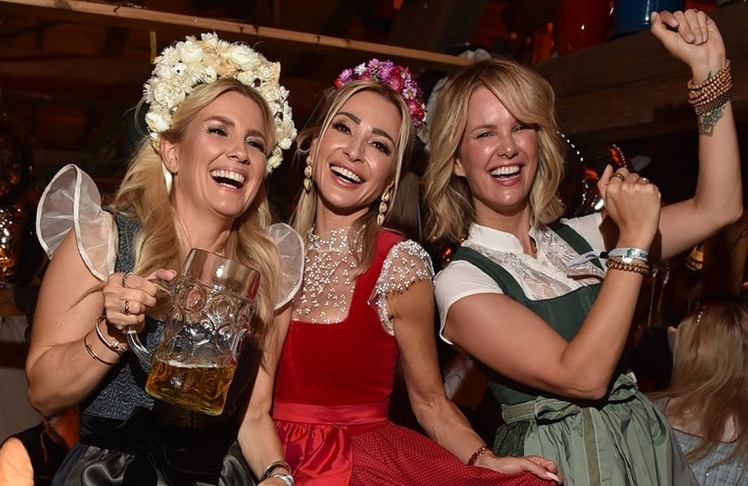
(291, 248)
(72, 200)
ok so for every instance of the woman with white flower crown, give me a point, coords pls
(366, 305)
(218, 121)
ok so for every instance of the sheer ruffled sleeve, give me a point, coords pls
(406, 264)
(291, 248)
(72, 201)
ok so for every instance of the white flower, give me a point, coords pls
(209, 75)
(156, 122)
(168, 95)
(243, 58)
(191, 53)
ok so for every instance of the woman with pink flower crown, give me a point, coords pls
(366, 304)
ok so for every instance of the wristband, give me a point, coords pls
(628, 255)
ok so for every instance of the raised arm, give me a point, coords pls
(693, 37)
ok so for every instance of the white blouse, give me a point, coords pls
(549, 275)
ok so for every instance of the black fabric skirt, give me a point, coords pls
(142, 452)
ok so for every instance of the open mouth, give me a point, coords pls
(228, 178)
(345, 174)
(506, 171)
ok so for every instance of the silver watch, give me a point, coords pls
(286, 478)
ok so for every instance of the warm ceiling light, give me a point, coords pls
(397, 4)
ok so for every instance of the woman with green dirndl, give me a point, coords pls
(544, 304)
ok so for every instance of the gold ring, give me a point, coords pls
(124, 278)
(619, 176)
(644, 180)
(127, 307)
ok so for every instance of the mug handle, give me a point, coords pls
(131, 332)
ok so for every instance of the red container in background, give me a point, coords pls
(582, 23)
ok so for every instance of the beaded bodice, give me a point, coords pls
(329, 277)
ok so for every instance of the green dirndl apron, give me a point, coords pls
(622, 439)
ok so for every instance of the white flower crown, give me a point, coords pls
(191, 62)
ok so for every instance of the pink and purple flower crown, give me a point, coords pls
(394, 76)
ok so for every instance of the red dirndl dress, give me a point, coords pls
(332, 395)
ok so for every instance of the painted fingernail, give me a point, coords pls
(553, 476)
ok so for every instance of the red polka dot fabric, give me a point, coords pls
(395, 456)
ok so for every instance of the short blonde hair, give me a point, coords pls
(530, 99)
(364, 230)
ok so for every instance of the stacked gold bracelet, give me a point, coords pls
(114, 345)
(711, 93)
(636, 266)
(93, 354)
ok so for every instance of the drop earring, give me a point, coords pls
(384, 206)
(308, 172)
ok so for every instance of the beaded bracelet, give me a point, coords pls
(93, 354)
(477, 455)
(711, 93)
(616, 263)
(114, 345)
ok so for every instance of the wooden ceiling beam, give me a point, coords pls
(139, 18)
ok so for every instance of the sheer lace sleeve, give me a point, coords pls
(291, 248)
(406, 264)
(72, 200)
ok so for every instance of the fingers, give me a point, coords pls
(542, 468)
(692, 26)
(128, 296)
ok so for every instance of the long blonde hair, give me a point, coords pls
(530, 99)
(143, 196)
(709, 386)
(363, 230)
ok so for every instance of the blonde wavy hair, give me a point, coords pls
(709, 386)
(530, 99)
(143, 196)
(364, 230)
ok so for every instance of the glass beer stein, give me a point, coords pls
(211, 307)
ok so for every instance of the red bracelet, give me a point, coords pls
(477, 455)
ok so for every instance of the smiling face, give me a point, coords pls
(356, 156)
(219, 163)
(498, 156)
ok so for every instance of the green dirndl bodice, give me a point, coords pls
(622, 439)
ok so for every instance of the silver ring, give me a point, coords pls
(124, 278)
(127, 307)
